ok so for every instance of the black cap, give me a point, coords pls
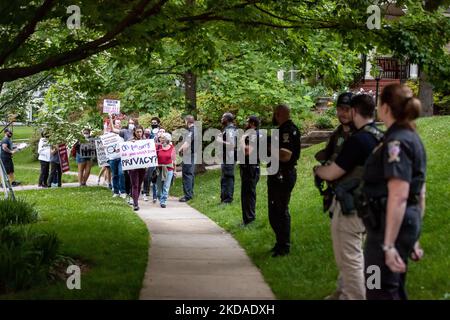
(344, 99)
(7, 130)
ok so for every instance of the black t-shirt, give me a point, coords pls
(229, 151)
(191, 138)
(290, 140)
(356, 149)
(253, 141)
(8, 142)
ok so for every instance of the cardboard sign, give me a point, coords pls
(102, 159)
(139, 154)
(63, 157)
(111, 144)
(111, 106)
(88, 150)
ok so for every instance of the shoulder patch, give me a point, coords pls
(285, 137)
(394, 151)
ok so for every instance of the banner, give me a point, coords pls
(88, 150)
(111, 144)
(63, 157)
(102, 159)
(138, 154)
(111, 106)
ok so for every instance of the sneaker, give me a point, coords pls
(123, 195)
(130, 201)
(154, 200)
(145, 197)
(135, 208)
(16, 183)
(163, 205)
(184, 199)
(116, 195)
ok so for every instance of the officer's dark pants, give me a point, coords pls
(279, 188)
(392, 284)
(249, 179)
(227, 183)
(187, 171)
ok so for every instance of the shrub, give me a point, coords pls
(16, 212)
(324, 122)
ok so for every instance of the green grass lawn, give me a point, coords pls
(309, 272)
(99, 230)
(22, 132)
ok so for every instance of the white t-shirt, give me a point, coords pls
(44, 150)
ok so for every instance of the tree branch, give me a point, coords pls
(27, 31)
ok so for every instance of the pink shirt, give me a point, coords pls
(166, 156)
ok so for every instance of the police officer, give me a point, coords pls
(229, 153)
(394, 183)
(335, 142)
(250, 169)
(345, 172)
(280, 184)
(188, 167)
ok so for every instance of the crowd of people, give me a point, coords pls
(372, 182)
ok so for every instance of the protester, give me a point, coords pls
(188, 166)
(150, 174)
(6, 153)
(105, 172)
(55, 179)
(166, 167)
(44, 159)
(394, 186)
(84, 162)
(118, 178)
(136, 175)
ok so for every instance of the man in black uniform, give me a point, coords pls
(188, 167)
(280, 185)
(347, 229)
(228, 140)
(250, 169)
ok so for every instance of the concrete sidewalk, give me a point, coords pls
(193, 258)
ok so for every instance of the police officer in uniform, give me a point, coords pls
(335, 143)
(188, 167)
(347, 229)
(394, 189)
(280, 185)
(228, 140)
(250, 169)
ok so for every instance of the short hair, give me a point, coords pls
(189, 119)
(167, 136)
(254, 120)
(364, 105)
(229, 116)
(155, 119)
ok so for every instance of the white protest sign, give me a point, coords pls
(138, 154)
(111, 144)
(87, 150)
(111, 106)
(101, 154)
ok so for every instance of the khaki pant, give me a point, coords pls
(347, 233)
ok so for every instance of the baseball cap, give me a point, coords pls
(7, 130)
(344, 99)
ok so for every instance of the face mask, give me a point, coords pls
(131, 126)
(154, 126)
(86, 135)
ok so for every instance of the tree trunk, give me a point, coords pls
(426, 95)
(190, 82)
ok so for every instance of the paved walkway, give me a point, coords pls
(191, 257)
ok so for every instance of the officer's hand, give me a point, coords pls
(394, 261)
(417, 252)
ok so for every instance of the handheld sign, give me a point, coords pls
(88, 150)
(111, 144)
(138, 154)
(102, 159)
(111, 106)
(63, 157)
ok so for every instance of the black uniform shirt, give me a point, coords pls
(402, 156)
(290, 139)
(356, 149)
(190, 138)
(253, 140)
(229, 151)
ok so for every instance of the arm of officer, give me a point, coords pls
(329, 173)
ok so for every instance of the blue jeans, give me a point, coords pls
(118, 179)
(164, 187)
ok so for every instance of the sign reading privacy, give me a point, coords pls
(138, 154)
(111, 106)
(111, 144)
(102, 159)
